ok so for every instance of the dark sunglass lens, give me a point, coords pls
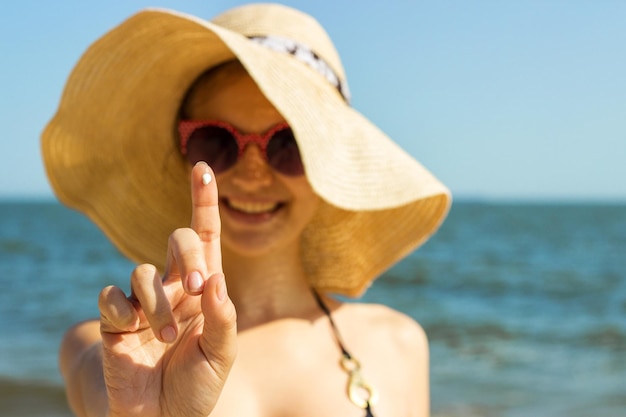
(213, 145)
(283, 153)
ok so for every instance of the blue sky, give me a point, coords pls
(500, 99)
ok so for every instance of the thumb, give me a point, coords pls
(219, 335)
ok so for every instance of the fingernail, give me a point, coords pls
(168, 334)
(206, 178)
(220, 289)
(195, 281)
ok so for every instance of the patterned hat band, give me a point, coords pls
(306, 55)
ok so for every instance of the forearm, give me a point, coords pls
(81, 367)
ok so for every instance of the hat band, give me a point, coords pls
(306, 55)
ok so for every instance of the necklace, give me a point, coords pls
(360, 392)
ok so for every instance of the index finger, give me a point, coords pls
(205, 215)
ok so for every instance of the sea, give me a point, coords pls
(524, 305)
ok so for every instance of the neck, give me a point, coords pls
(268, 287)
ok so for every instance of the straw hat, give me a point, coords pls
(111, 149)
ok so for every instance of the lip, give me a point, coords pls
(251, 211)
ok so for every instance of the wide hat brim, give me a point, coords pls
(111, 150)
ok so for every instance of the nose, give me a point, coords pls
(252, 170)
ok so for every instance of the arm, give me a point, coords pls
(80, 363)
(413, 350)
(411, 353)
(421, 371)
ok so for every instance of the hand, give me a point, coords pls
(168, 348)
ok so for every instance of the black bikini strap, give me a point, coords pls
(356, 384)
(326, 311)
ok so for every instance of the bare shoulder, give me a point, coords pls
(398, 330)
(393, 349)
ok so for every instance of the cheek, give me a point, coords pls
(307, 204)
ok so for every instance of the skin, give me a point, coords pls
(183, 344)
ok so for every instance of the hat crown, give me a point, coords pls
(267, 19)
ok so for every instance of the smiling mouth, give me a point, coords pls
(252, 207)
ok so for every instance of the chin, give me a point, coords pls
(250, 245)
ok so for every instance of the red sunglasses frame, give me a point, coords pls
(187, 127)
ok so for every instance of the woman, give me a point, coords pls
(313, 200)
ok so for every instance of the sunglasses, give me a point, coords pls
(220, 145)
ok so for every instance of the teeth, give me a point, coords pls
(252, 207)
